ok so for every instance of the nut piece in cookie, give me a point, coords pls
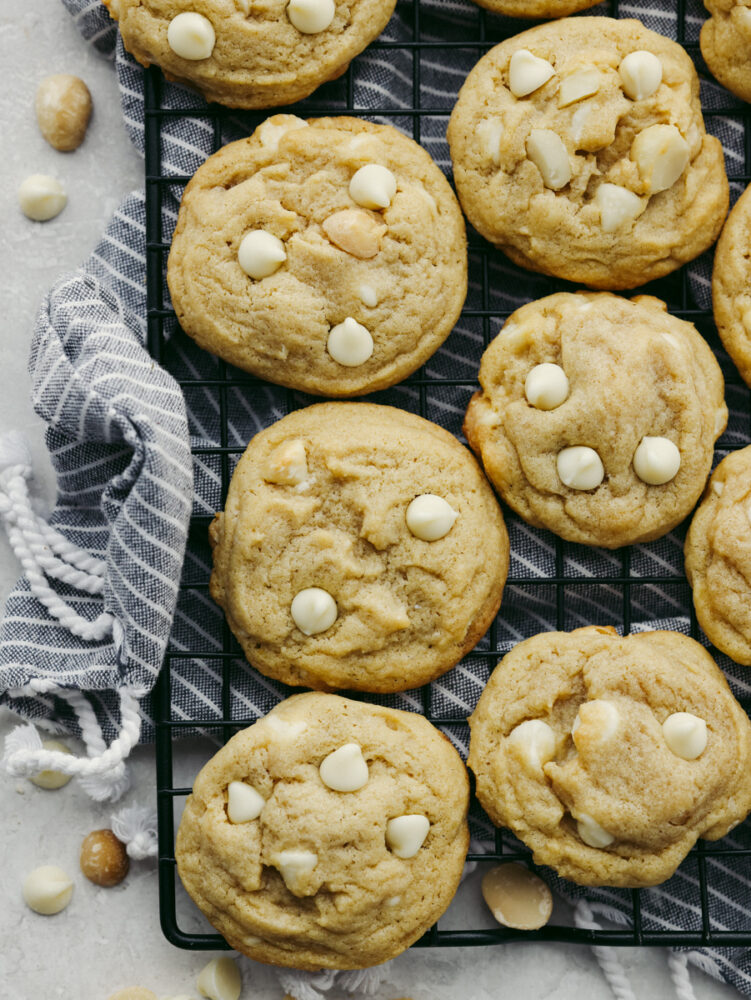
(726, 45)
(363, 807)
(646, 750)
(598, 416)
(327, 256)
(360, 547)
(579, 149)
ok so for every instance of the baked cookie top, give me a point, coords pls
(718, 557)
(535, 8)
(598, 416)
(328, 255)
(245, 54)
(330, 834)
(579, 150)
(731, 286)
(360, 547)
(726, 44)
(611, 756)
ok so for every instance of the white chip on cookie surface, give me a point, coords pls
(373, 186)
(260, 254)
(547, 151)
(685, 735)
(618, 206)
(191, 36)
(47, 890)
(294, 866)
(656, 460)
(368, 296)
(546, 386)
(244, 802)
(350, 343)
(430, 517)
(527, 73)
(536, 741)
(287, 465)
(661, 154)
(313, 610)
(311, 16)
(585, 82)
(489, 135)
(580, 467)
(406, 834)
(591, 832)
(345, 769)
(641, 74)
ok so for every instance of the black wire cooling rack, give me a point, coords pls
(339, 98)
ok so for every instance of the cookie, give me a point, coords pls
(609, 757)
(718, 557)
(328, 256)
(579, 150)
(249, 55)
(598, 416)
(535, 8)
(726, 45)
(360, 547)
(330, 834)
(731, 286)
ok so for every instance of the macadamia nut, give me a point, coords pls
(104, 860)
(63, 110)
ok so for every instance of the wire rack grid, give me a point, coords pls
(617, 576)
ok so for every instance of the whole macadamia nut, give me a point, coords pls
(63, 109)
(104, 860)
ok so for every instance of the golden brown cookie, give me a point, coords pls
(330, 834)
(726, 44)
(598, 416)
(328, 256)
(611, 756)
(360, 547)
(731, 286)
(718, 557)
(245, 54)
(535, 8)
(579, 149)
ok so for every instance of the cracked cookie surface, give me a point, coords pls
(403, 281)
(319, 502)
(612, 803)
(726, 44)
(259, 58)
(731, 286)
(566, 173)
(315, 879)
(632, 373)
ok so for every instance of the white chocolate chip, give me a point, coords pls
(580, 468)
(191, 36)
(596, 718)
(546, 386)
(373, 186)
(591, 832)
(548, 153)
(311, 16)
(527, 73)
(244, 803)
(517, 897)
(344, 770)
(641, 74)
(656, 460)
(393, 900)
(287, 465)
(350, 343)
(51, 779)
(220, 980)
(260, 254)
(355, 232)
(41, 197)
(294, 866)
(244, 6)
(313, 610)
(617, 206)
(405, 835)
(430, 517)
(47, 890)
(535, 740)
(270, 132)
(579, 120)
(583, 83)
(368, 296)
(489, 134)
(285, 730)
(661, 154)
(718, 486)
(672, 340)
(685, 735)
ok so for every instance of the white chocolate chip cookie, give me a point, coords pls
(647, 751)
(328, 256)
(598, 416)
(726, 44)
(579, 150)
(250, 55)
(360, 547)
(363, 809)
(534, 9)
(731, 286)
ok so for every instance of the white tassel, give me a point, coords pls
(606, 957)
(14, 451)
(21, 740)
(305, 985)
(364, 981)
(678, 965)
(108, 786)
(136, 826)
